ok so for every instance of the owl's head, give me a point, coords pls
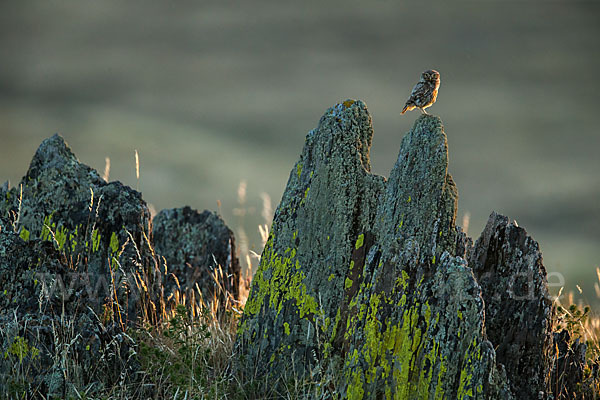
(431, 75)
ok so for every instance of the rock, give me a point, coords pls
(46, 305)
(77, 269)
(508, 265)
(416, 325)
(367, 280)
(571, 376)
(200, 250)
(329, 200)
(99, 227)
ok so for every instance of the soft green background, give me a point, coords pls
(212, 93)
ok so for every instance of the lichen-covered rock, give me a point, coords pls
(50, 333)
(76, 269)
(508, 265)
(306, 266)
(200, 250)
(369, 278)
(421, 333)
(100, 227)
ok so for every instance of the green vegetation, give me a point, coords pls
(187, 351)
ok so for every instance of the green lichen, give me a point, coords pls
(347, 283)
(286, 328)
(472, 355)
(390, 353)
(96, 240)
(114, 242)
(305, 196)
(61, 235)
(348, 103)
(359, 241)
(24, 234)
(285, 283)
(299, 169)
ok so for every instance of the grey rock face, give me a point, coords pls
(330, 199)
(74, 252)
(48, 305)
(424, 314)
(78, 267)
(99, 227)
(200, 250)
(369, 278)
(508, 266)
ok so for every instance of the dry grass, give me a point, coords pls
(183, 345)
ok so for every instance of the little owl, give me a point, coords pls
(424, 93)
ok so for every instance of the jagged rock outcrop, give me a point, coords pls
(330, 199)
(371, 279)
(99, 227)
(75, 253)
(508, 266)
(78, 268)
(199, 250)
(51, 334)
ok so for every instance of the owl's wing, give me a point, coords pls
(419, 90)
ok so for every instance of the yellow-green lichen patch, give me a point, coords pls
(359, 241)
(348, 103)
(401, 281)
(347, 283)
(45, 234)
(285, 282)
(299, 169)
(472, 355)
(114, 242)
(305, 196)
(95, 240)
(338, 317)
(355, 389)
(286, 328)
(24, 234)
(61, 235)
(390, 353)
(330, 277)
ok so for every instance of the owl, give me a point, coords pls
(424, 93)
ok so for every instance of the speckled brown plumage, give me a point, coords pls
(424, 93)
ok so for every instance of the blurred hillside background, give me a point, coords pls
(215, 93)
